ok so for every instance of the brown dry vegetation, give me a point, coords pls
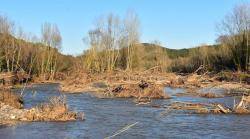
(210, 95)
(114, 43)
(11, 99)
(243, 107)
(127, 83)
(55, 110)
(119, 65)
(103, 84)
(134, 91)
(201, 108)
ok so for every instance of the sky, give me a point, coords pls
(175, 23)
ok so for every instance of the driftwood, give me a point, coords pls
(243, 106)
(200, 107)
(222, 109)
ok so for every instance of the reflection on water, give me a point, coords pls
(106, 116)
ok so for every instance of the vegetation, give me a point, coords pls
(11, 99)
(115, 45)
(231, 52)
(118, 65)
(38, 57)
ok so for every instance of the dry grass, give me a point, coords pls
(134, 91)
(55, 110)
(11, 99)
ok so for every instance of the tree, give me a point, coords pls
(113, 43)
(105, 40)
(132, 36)
(236, 29)
(161, 57)
(52, 40)
(7, 44)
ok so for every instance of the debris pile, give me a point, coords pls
(210, 95)
(7, 78)
(83, 82)
(201, 108)
(233, 77)
(9, 114)
(177, 81)
(140, 90)
(79, 82)
(55, 110)
(243, 107)
(12, 78)
(11, 99)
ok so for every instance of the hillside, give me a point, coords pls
(172, 53)
(35, 57)
(175, 53)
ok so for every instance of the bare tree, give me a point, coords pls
(236, 29)
(6, 26)
(52, 40)
(132, 24)
(7, 42)
(161, 57)
(110, 36)
(105, 41)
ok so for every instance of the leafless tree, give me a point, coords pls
(7, 44)
(51, 38)
(132, 24)
(236, 29)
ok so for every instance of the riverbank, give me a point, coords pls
(147, 85)
(113, 83)
(141, 86)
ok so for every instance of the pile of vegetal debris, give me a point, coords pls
(243, 107)
(139, 91)
(201, 108)
(11, 110)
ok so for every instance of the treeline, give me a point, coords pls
(40, 57)
(232, 49)
(114, 44)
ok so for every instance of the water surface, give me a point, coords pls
(106, 116)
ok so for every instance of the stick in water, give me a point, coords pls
(122, 130)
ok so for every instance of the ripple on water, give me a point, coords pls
(106, 116)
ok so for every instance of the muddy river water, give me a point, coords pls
(104, 117)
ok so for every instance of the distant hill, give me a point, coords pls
(173, 53)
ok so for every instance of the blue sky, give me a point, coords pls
(175, 23)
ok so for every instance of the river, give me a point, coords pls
(104, 117)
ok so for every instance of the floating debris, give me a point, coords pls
(201, 108)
